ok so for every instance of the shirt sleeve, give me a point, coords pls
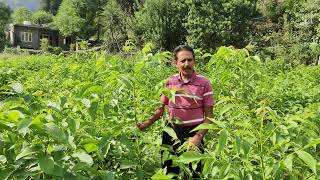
(208, 99)
(164, 99)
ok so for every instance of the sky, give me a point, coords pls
(32, 5)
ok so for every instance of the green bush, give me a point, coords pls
(44, 44)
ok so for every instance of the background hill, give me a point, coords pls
(32, 5)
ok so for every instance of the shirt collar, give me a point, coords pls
(193, 76)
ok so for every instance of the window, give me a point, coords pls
(26, 36)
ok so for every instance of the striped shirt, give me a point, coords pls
(190, 99)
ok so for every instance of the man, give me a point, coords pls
(193, 104)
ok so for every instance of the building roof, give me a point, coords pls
(42, 26)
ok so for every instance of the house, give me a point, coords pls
(29, 36)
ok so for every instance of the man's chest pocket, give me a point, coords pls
(197, 91)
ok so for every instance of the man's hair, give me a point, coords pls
(182, 48)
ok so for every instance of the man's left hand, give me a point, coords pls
(195, 141)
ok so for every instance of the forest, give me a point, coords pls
(287, 29)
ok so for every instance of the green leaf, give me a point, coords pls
(100, 62)
(91, 147)
(238, 144)
(214, 171)
(26, 151)
(84, 157)
(226, 108)
(205, 126)
(126, 82)
(46, 164)
(107, 175)
(54, 105)
(56, 132)
(86, 102)
(3, 159)
(72, 124)
(246, 146)
(14, 115)
(160, 175)
(127, 165)
(5, 173)
(312, 143)
(189, 156)
(17, 88)
(222, 140)
(24, 126)
(37, 120)
(58, 171)
(5, 127)
(288, 162)
(92, 90)
(171, 132)
(207, 166)
(308, 159)
(205, 55)
(93, 109)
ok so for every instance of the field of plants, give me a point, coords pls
(74, 117)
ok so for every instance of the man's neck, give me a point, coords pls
(185, 78)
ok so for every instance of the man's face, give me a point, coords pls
(185, 62)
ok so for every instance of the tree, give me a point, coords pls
(289, 30)
(161, 23)
(75, 16)
(211, 24)
(21, 14)
(307, 27)
(114, 25)
(5, 13)
(50, 6)
(68, 19)
(41, 17)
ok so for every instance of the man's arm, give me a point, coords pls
(208, 113)
(156, 115)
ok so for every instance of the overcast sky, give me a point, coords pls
(29, 4)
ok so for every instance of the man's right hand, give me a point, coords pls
(144, 125)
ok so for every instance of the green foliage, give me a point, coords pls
(212, 24)
(68, 19)
(114, 26)
(83, 45)
(74, 117)
(5, 13)
(44, 44)
(55, 50)
(289, 31)
(50, 6)
(21, 14)
(81, 18)
(41, 17)
(157, 22)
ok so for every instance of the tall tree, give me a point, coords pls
(5, 13)
(80, 17)
(41, 17)
(21, 14)
(211, 24)
(68, 19)
(114, 25)
(161, 22)
(50, 6)
(45, 5)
